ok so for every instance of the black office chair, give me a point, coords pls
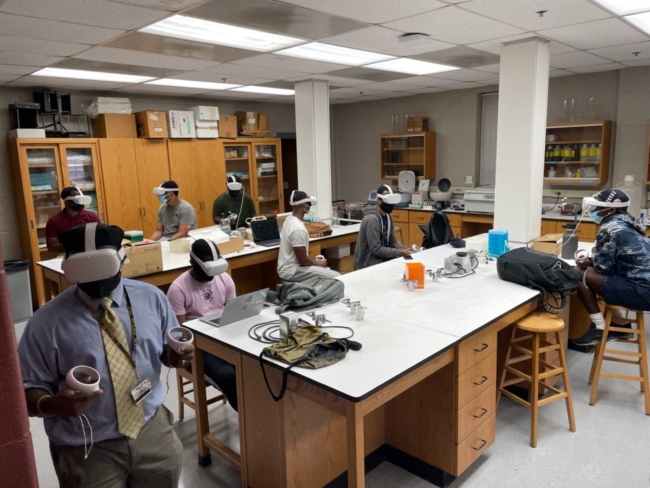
(437, 232)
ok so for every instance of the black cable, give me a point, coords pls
(556, 202)
(268, 332)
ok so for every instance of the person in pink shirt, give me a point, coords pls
(195, 294)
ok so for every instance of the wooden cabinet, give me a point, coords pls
(416, 219)
(410, 151)
(586, 230)
(401, 220)
(40, 169)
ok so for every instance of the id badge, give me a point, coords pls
(141, 391)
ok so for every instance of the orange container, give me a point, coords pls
(415, 272)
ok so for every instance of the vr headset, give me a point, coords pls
(212, 268)
(159, 190)
(93, 264)
(233, 184)
(588, 202)
(310, 200)
(80, 199)
(390, 198)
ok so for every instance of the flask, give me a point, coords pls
(569, 241)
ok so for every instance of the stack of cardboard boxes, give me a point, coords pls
(253, 123)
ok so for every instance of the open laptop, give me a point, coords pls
(238, 308)
(265, 232)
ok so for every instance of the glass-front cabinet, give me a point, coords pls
(78, 165)
(410, 151)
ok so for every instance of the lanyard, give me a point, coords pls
(110, 333)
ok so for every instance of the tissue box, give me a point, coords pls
(549, 243)
(181, 124)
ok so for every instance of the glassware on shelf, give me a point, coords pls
(572, 116)
(564, 115)
(591, 109)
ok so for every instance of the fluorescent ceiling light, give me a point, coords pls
(411, 66)
(192, 84)
(208, 32)
(267, 90)
(77, 74)
(642, 21)
(624, 7)
(334, 54)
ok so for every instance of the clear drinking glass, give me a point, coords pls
(335, 216)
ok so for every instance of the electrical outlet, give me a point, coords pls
(469, 180)
(554, 193)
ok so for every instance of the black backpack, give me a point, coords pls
(437, 232)
(539, 271)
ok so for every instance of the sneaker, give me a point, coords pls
(592, 337)
(622, 335)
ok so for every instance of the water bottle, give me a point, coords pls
(497, 242)
(633, 190)
(569, 241)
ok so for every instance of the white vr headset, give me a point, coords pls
(233, 184)
(212, 268)
(390, 198)
(588, 202)
(80, 199)
(93, 264)
(159, 190)
(309, 199)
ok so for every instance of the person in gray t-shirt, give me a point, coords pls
(176, 217)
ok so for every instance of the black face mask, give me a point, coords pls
(77, 208)
(200, 274)
(233, 194)
(101, 288)
(386, 207)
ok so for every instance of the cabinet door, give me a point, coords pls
(184, 169)
(120, 178)
(79, 165)
(415, 234)
(549, 227)
(237, 160)
(402, 237)
(153, 167)
(213, 178)
(267, 177)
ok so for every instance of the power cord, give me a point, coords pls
(268, 332)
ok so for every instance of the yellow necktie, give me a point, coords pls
(130, 417)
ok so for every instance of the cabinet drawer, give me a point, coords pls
(475, 349)
(475, 445)
(400, 215)
(455, 220)
(476, 380)
(419, 217)
(472, 416)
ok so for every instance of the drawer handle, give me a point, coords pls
(483, 380)
(483, 348)
(483, 442)
(480, 414)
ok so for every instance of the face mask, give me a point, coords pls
(75, 207)
(162, 198)
(102, 288)
(593, 215)
(200, 274)
(233, 194)
(386, 207)
(306, 209)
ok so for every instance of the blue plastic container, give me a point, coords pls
(497, 242)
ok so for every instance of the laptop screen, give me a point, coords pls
(264, 230)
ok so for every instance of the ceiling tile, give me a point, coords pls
(66, 83)
(38, 46)
(382, 40)
(123, 68)
(600, 67)
(637, 62)
(371, 11)
(463, 86)
(8, 69)
(139, 58)
(275, 61)
(426, 81)
(388, 86)
(357, 90)
(15, 25)
(215, 78)
(168, 5)
(24, 59)
(5, 78)
(559, 72)
(494, 46)
(276, 17)
(460, 56)
(522, 13)
(422, 91)
(576, 60)
(334, 81)
(490, 80)
(237, 95)
(338, 96)
(592, 35)
(88, 12)
(170, 90)
(284, 84)
(370, 75)
(492, 68)
(625, 52)
(141, 41)
(461, 75)
(241, 70)
(451, 24)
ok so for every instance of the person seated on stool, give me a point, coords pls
(619, 268)
(203, 290)
(294, 261)
(376, 242)
(72, 215)
(118, 327)
(176, 217)
(235, 201)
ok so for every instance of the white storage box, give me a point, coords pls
(206, 129)
(27, 133)
(478, 243)
(181, 124)
(205, 112)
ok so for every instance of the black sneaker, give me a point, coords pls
(592, 337)
(622, 335)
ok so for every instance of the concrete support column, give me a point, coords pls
(521, 137)
(313, 143)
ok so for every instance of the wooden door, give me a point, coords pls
(120, 177)
(209, 154)
(184, 169)
(152, 167)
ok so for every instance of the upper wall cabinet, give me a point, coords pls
(410, 151)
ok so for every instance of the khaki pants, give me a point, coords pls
(153, 460)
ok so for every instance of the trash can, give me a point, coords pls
(20, 292)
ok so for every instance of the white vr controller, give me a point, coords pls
(83, 386)
(179, 337)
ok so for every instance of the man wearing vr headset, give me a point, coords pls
(376, 242)
(294, 261)
(619, 267)
(176, 217)
(204, 290)
(72, 215)
(235, 201)
(117, 327)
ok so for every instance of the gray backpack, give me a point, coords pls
(307, 294)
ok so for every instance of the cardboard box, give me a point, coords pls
(205, 112)
(246, 121)
(26, 133)
(417, 124)
(233, 245)
(549, 243)
(338, 252)
(144, 258)
(281, 218)
(180, 246)
(115, 126)
(342, 265)
(206, 129)
(181, 124)
(227, 127)
(151, 124)
(262, 122)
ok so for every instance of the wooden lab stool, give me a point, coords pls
(536, 325)
(399, 230)
(641, 357)
(185, 377)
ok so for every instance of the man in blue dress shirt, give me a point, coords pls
(118, 327)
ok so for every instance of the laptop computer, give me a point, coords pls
(238, 308)
(266, 232)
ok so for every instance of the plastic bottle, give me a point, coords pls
(584, 153)
(633, 190)
(557, 153)
(592, 152)
(551, 173)
(598, 152)
(569, 241)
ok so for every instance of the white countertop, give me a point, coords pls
(551, 215)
